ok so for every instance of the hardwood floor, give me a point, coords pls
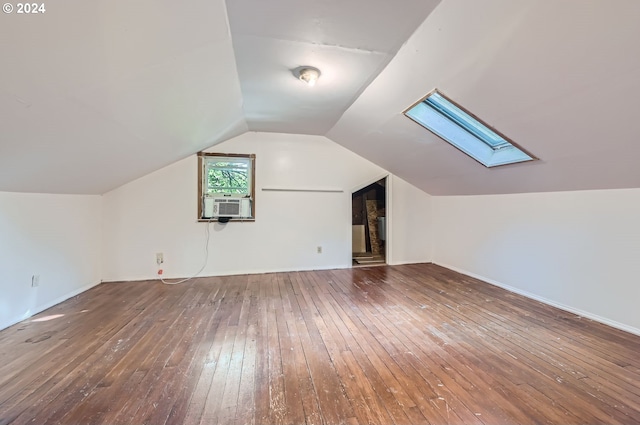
(414, 344)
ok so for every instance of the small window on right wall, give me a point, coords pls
(468, 133)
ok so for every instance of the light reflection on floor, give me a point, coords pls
(47, 318)
(52, 317)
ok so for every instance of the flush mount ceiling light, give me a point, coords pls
(307, 74)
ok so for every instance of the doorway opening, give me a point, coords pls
(368, 224)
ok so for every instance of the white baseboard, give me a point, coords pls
(407, 262)
(156, 278)
(43, 307)
(547, 301)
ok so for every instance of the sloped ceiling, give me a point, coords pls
(560, 78)
(95, 94)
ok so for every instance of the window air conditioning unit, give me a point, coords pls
(227, 207)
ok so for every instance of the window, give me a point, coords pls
(450, 122)
(226, 186)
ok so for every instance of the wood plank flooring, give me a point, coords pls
(413, 344)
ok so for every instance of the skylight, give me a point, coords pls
(445, 119)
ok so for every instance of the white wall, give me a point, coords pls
(576, 250)
(157, 213)
(55, 236)
(74, 241)
(410, 223)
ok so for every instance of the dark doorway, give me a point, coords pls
(368, 220)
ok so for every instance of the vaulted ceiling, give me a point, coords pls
(95, 94)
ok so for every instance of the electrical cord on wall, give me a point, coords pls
(206, 258)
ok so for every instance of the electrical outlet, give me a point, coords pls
(159, 258)
(35, 280)
(319, 250)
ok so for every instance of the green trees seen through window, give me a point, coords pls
(228, 177)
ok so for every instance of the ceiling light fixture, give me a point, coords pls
(309, 75)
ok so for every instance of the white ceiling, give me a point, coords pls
(560, 78)
(95, 94)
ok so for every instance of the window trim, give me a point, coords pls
(201, 164)
(479, 120)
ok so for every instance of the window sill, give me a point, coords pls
(233, 220)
